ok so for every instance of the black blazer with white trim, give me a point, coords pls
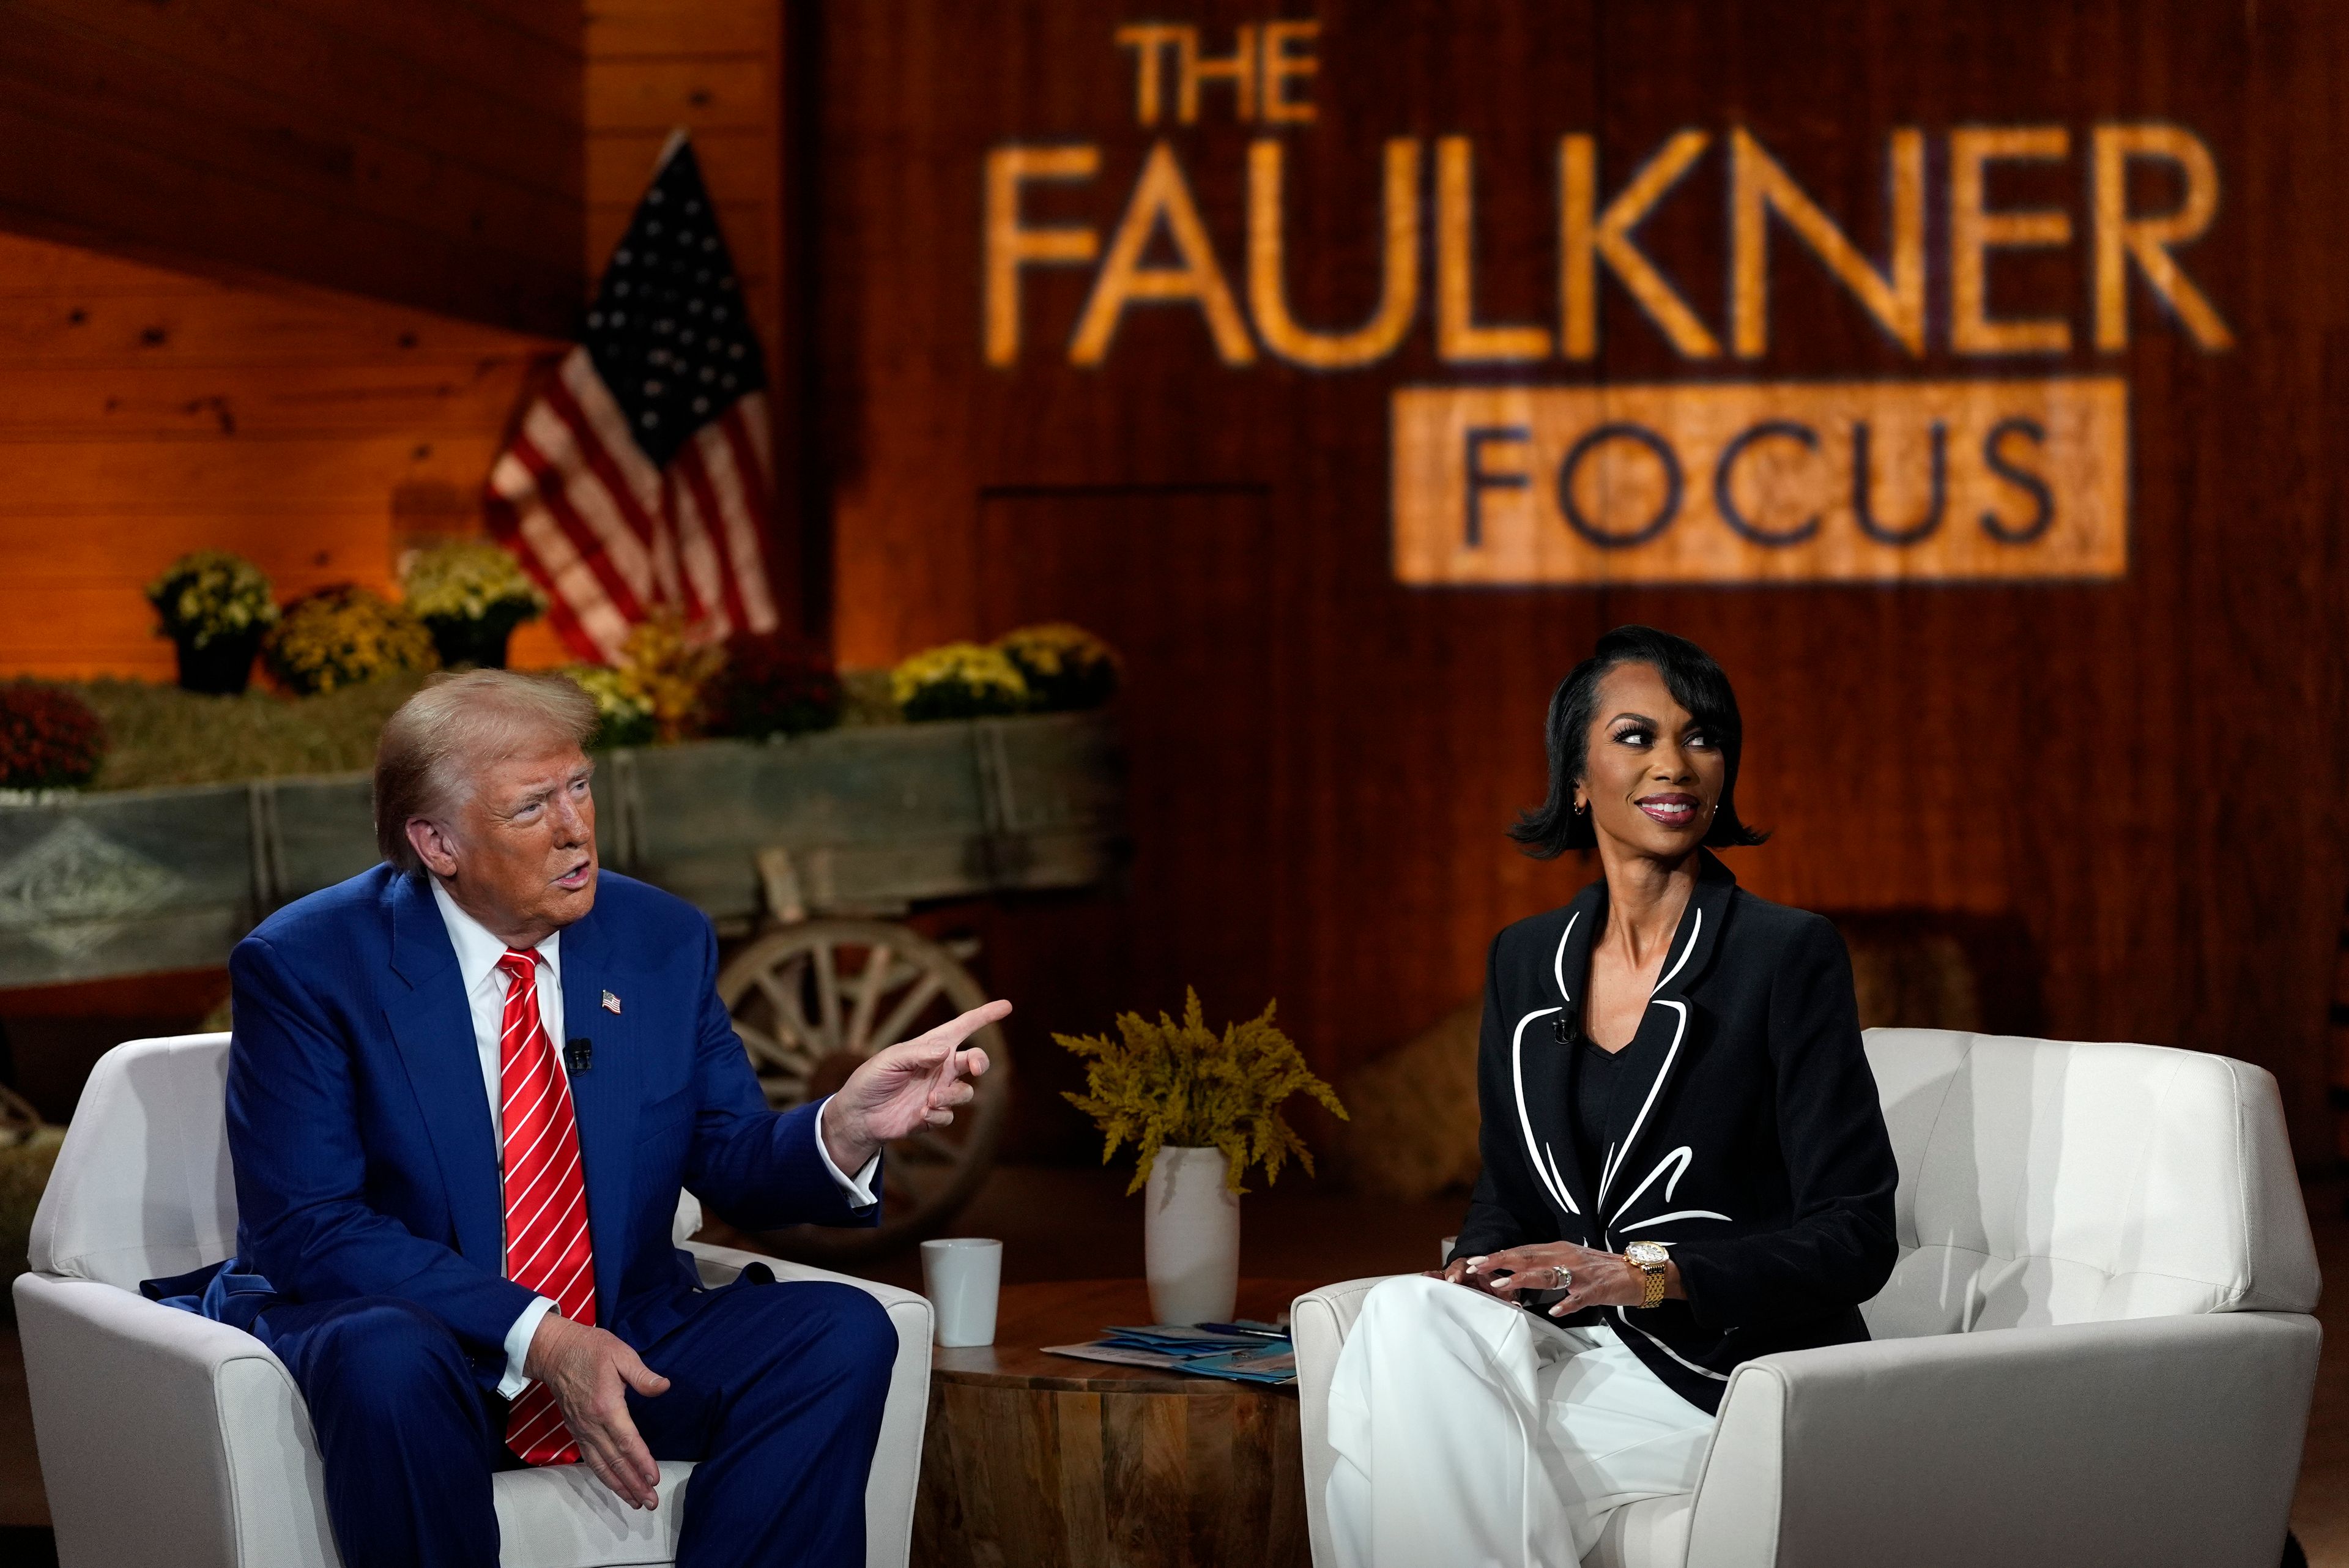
(1745, 1132)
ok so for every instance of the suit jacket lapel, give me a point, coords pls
(433, 1024)
(603, 1098)
(1660, 1048)
(1544, 1059)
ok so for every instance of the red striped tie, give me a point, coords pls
(546, 1197)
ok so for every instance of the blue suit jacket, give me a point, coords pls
(366, 1154)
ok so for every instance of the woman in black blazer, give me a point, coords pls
(1685, 1161)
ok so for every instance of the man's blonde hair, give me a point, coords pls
(457, 724)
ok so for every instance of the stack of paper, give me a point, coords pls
(1245, 1351)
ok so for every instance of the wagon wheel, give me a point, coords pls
(813, 1000)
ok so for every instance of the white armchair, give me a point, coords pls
(166, 1438)
(2097, 1348)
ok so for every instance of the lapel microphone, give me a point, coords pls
(579, 1055)
(1568, 1023)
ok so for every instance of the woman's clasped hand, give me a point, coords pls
(1589, 1278)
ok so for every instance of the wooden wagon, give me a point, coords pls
(811, 848)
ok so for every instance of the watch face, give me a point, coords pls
(1646, 1254)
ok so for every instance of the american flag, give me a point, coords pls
(641, 477)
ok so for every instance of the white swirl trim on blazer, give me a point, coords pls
(1668, 1350)
(1543, 1171)
(1675, 1214)
(1609, 1171)
(1680, 963)
(1558, 964)
(1679, 1160)
(1680, 1029)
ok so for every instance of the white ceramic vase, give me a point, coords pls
(1191, 1238)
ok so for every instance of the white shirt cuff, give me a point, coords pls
(859, 1188)
(518, 1339)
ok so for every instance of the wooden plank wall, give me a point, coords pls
(149, 410)
(2141, 778)
(427, 153)
(715, 68)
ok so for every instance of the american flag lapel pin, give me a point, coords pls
(611, 1002)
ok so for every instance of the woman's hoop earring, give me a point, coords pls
(1580, 807)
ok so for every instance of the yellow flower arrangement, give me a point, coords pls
(210, 594)
(341, 636)
(624, 715)
(469, 580)
(1065, 666)
(662, 665)
(959, 680)
(1181, 1083)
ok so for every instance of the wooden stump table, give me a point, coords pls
(1044, 1461)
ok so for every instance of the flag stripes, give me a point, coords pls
(640, 477)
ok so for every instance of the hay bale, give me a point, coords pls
(24, 1175)
(1908, 975)
(1413, 1129)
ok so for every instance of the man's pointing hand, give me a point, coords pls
(909, 1086)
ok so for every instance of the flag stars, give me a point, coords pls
(689, 353)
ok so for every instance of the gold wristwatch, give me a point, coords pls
(1648, 1258)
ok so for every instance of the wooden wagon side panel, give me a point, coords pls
(320, 831)
(133, 883)
(870, 819)
(1055, 800)
(873, 817)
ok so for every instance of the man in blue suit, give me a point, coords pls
(393, 1088)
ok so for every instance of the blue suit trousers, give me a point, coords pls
(775, 1390)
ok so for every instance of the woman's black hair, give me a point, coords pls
(1696, 683)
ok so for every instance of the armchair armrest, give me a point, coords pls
(2165, 1439)
(898, 1459)
(206, 1419)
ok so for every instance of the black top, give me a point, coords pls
(1591, 1090)
(1744, 1131)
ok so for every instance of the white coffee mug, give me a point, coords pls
(960, 1275)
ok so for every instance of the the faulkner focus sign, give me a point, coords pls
(1712, 477)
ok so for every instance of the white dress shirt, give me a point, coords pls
(478, 952)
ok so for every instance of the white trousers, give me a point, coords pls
(1473, 1433)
